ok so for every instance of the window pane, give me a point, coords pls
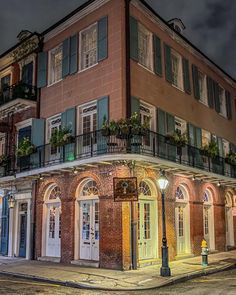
(56, 64)
(89, 47)
(147, 234)
(145, 47)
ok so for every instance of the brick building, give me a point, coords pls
(109, 60)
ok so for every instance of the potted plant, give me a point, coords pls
(231, 158)
(61, 137)
(105, 127)
(210, 150)
(124, 128)
(4, 160)
(25, 148)
(177, 138)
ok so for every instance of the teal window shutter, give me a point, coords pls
(210, 92)
(170, 123)
(73, 54)
(102, 38)
(66, 57)
(187, 87)
(220, 146)
(157, 55)
(191, 134)
(68, 120)
(198, 137)
(228, 104)
(133, 38)
(135, 105)
(196, 88)
(42, 69)
(38, 139)
(168, 64)
(102, 111)
(216, 96)
(161, 122)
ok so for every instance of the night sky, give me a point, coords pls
(210, 24)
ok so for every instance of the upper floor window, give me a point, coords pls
(222, 100)
(202, 87)
(177, 69)
(180, 125)
(206, 137)
(55, 64)
(145, 54)
(88, 49)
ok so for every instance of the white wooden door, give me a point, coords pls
(206, 225)
(53, 245)
(229, 226)
(89, 230)
(180, 229)
(146, 234)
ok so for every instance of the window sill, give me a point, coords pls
(180, 89)
(83, 70)
(54, 83)
(204, 103)
(144, 67)
(222, 115)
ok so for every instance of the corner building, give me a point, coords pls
(83, 76)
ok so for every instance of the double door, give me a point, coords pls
(89, 230)
(146, 230)
(53, 243)
(181, 229)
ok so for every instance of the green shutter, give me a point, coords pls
(191, 134)
(68, 120)
(157, 55)
(168, 64)
(210, 92)
(73, 54)
(220, 146)
(228, 104)
(133, 38)
(198, 137)
(216, 96)
(170, 123)
(161, 122)
(65, 57)
(135, 105)
(102, 111)
(102, 38)
(42, 69)
(38, 139)
(196, 88)
(187, 87)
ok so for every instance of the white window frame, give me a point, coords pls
(180, 125)
(206, 137)
(50, 72)
(49, 126)
(180, 80)
(26, 61)
(81, 115)
(203, 93)
(81, 67)
(226, 147)
(149, 64)
(222, 99)
(152, 112)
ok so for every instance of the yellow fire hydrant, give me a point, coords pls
(204, 253)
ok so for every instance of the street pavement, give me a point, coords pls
(221, 283)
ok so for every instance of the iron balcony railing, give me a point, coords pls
(20, 90)
(95, 144)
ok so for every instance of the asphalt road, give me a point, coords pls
(221, 283)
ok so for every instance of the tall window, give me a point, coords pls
(145, 54)
(206, 220)
(180, 125)
(206, 137)
(202, 87)
(177, 69)
(53, 124)
(222, 102)
(55, 64)
(88, 41)
(88, 123)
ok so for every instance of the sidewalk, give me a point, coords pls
(91, 278)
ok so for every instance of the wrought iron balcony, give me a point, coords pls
(95, 144)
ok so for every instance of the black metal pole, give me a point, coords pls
(165, 270)
(133, 236)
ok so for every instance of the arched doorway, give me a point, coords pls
(52, 222)
(229, 226)
(182, 221)
(208, 219)
(147, 222)
(87, 221)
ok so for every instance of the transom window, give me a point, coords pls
(179, 195)
(55, 193)
(207, 198)
(88, 41)
(145, 54)
(144, 189)
(90, 189)
(202, 87)
(222, 101)
(55, 64)
(177, 69)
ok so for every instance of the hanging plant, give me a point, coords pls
(4, 160)
(177, 138)
(210, 150)
(231, 158)
(61, 137)
(25, 148)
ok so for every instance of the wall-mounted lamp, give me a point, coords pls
(75, 171)
(218, 184)
(40, 176)
(11, 201)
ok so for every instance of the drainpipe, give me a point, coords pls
(128, 114)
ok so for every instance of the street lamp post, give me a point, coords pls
(165, 270)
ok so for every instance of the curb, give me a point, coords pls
(168, 282)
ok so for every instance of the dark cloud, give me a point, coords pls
(210, 24)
